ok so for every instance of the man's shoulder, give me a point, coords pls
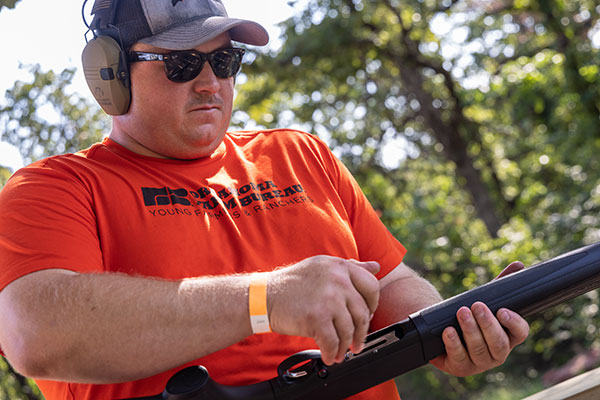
(68, 166)
(66, 158)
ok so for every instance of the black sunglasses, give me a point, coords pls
(185, 65)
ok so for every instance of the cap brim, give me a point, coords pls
(194, 33)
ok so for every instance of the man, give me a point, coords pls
(174, 243)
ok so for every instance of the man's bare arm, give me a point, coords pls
(106, 328)
(403, 292)
(99, 328)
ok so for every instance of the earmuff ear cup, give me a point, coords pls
(103, 63)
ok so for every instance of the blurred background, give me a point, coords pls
(473, 126)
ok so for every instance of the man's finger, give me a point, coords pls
(345, 328)
(361, 317)
(496, 339)
(328, 342)
(363, 279)
(474, 339)
(455, 351)
(510, 268)
(518, 328)
(372, 266)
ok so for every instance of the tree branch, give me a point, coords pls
(396, 12)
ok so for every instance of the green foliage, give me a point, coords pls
(15, 387)
(394, 87)
(42, 118)
(5, 173)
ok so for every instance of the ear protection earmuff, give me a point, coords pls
(104, 60)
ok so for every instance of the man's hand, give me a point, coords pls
(326, 298)
(489, 339)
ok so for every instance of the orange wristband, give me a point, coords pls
(257, 302)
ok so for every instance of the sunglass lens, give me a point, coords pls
(225, 63)
(184, 66)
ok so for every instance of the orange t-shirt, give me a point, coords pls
(262, 200)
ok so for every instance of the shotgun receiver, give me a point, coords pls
(405, 345)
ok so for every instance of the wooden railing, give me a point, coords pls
(582, 387)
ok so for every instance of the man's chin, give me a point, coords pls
(197, 149)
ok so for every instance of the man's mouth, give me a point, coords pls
(207, 107)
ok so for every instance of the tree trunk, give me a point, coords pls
(455, 148)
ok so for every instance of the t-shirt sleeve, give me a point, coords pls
(373, 239)
(46, 221)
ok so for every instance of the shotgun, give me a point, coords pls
(405, 345)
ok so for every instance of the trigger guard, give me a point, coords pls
(295, 359)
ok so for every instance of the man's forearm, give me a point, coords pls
(404, 292)
(100, 328)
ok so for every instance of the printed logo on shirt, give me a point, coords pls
(246, 200)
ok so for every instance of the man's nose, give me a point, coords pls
(207, 81)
